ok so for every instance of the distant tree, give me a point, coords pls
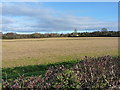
(104, 29)
(10, 35)
(102, 33)
(75, 31)
(35, 35)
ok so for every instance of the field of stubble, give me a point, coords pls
(23, 52)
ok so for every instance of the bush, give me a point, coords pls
(102, 72)
(67, 79)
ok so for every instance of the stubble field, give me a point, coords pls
(23, 52)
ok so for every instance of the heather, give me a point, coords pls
(100, 72)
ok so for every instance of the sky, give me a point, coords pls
(58, 17)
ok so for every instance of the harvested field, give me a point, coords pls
(23, 52)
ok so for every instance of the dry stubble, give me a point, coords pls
(20, 52)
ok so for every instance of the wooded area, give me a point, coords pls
(12, 35)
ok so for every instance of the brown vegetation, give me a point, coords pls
(20, 52)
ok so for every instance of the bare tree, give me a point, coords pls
(104, 29)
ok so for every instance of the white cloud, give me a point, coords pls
(22, 17)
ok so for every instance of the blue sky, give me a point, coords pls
(92, 9)
(60, 17)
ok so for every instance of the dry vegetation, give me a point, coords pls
(20, 52)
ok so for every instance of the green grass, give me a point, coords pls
(32, 70)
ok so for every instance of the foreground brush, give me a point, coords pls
(102, 72)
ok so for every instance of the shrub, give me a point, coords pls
(102, 72)
(67, 79)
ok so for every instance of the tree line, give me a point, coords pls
(12, 35)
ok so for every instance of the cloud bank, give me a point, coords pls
(25, 17)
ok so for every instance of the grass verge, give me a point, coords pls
(32, 70)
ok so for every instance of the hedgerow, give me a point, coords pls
(102, 72)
